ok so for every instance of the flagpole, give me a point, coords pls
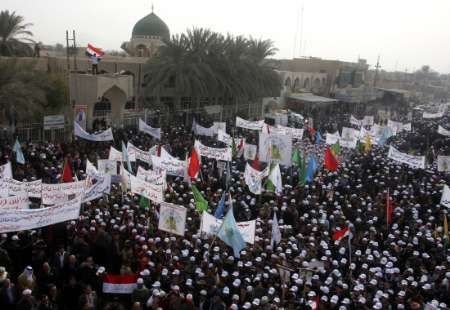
(387, 211)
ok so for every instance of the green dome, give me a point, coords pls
(151, 25)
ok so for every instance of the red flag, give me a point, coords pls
(330, 162)
(389, 209)
(119, 284)
(158, 151)
(66, 176)
(316, 303)
(312, 132)
(194, 164)
(255, 164)
(339, 234)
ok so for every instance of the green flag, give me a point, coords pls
(302, 173)
(200, 202)
(336, 149)
(296, 158)
(144, 203)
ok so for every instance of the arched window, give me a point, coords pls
(102, 107)
(306, 84)
(297, 84)
(288, 83)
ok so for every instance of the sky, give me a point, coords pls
(406, 34)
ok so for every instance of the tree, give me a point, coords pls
(14, 35)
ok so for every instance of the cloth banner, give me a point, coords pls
(368, 120)
(203, 131)
(427, 115)
(154, 132)
(445, 199)
(135, 153)
(219, 126)
(17, 202)
(253, 178)
(148, 190)
(90, 168)
(275, 148)
(372, 133)
(125, 177)
(6, 171)
(252, 125)
(443, 163)
(11, 187)
(172, 218)
(355, 121)
(26, 219)
(397, 127)
(410, 160)
(295, 133)
(61, 192)
(213, 152)
(106, 135)
(250, 151)
(96, 186)
(332, 138)
(174, 167)
(222, 136)
(157, 178)
(106, 166)
(114, 154)
(119, 284)
(443, 131)
(210, 226)
(349, 137)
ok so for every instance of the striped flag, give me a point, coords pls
(92, 50)
(119, 284)
(339, 234)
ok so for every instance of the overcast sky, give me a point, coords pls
(405, 33)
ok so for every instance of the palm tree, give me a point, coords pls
(13, 35)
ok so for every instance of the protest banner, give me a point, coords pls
(114, 154)
(172, 166)
(252, 125)
(154, 177)
(445, 199)
(26, 219)
(148, 190)
(11, 187)
(368, 120)
(17, 202)
(96, 186)
(295, 133)
(219, 126)
(332, 138)
(135, 153)
(106, 135)
(250, 151)
(154, 132)
(443, 163)
(61, 192)
(410, 160)
(210, 226)
(106, 166)
(213, 152)
(275, 148)
(172, 218)
(355, 121)
(443, 131)
(253, 178)
(203, 131)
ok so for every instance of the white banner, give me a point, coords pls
(253, 178)
(115, 154)
(443, 131)
(227, 139)
(172, 166)
(154, 132)
(219, 126)
(252, 125)
(397, 127)
(11, 187)
(106, 135)
(18, 220)
(61, 192)
(443, 163)
(368, 120)
(295, 133)
(410, 160)
(355, 121)
(372, 133)
(125, 177)
(445, 199)
(96, 186)
(106, 166)
(210, 226)
(53, 122)
(90, 168)
(213, 152)
(349, 137)
(172, 218)
(14, 202)
(250, 151)
(6, 171)
(203, 131)
(332, 138)
(148, 190)
(135, 153)
(276, 148)
(154, 177)
(427, 115)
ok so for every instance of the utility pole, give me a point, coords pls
(375, 80)
(74, 49)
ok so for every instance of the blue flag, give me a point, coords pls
(220, 208)
(318, 137)
(312, 167)
(385, 134)
(229, 233)
(125, 157)
(18, 150)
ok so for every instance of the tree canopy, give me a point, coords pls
(205, 63)
(14, 35)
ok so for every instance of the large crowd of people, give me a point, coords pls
(401, 265)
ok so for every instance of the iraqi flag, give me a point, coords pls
(119, 284)
(339, 234)
(92, 50)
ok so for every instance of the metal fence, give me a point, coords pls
(35, 132)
